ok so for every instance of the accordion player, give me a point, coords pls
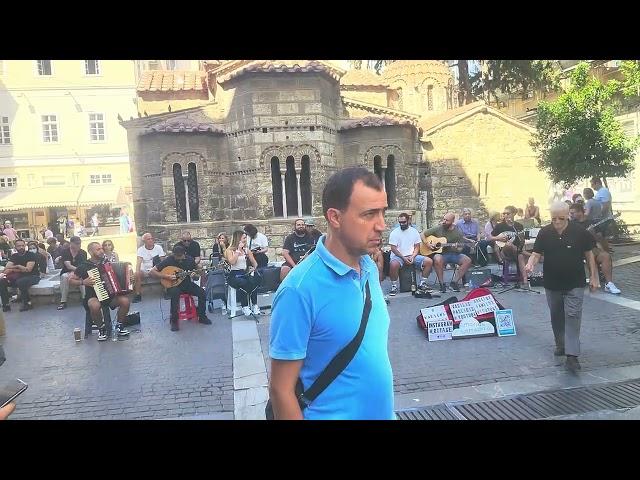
(112, 279)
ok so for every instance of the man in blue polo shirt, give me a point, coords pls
(318, 309)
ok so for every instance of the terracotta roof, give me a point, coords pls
(362, 78)
(183, 123)
(432, 123)
(379, 109)
(172, 80)
(372, 121)
(231, 70)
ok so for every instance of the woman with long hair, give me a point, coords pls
(219, 246)
(109, 253)
(243, 276)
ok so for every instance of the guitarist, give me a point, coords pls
(512, 233)
(181, 260)
(450, 231)
(22, 272)
(603, 258)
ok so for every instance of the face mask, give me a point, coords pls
(33, 250)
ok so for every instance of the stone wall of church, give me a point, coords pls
(484, 162)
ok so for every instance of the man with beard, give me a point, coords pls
(80, 276)
(297, 244)
(21, 271)
(404, 241)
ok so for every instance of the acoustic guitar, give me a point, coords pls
(438, 244)
(179, 275)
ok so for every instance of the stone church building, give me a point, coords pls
(264, 136)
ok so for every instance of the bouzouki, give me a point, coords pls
(512, 235)
(438, 244)
(604, 220)
(179, 275)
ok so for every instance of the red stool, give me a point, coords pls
(187, 308)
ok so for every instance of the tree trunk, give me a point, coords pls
(464, 95)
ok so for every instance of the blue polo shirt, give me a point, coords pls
(316, 312)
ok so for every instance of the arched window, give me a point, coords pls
(377, 167)
(291, 187)
(305, 185)
(193, 212)
(390, 181)
(276, 187)
(178, 182)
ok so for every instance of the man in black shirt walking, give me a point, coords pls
(22, 272)
(181, 260)
(564, 246)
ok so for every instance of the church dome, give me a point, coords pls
(414, 71)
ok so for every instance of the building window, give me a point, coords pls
(390, 181)
(179, 186)
(291, 187)
(5, 137)
(50, 128)
(100, 178)
(430, 97)
(8, 182)
(44, 67)
(54, 180)
(193, 212)
(276, 187)
(96, 127)
(305, 185)
(92, 67)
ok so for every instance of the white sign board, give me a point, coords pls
(470, 327)
(461, 310)
(439, 330)
(437, 313)
(484, 304)
(504, 322)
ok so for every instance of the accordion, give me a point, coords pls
(112, 279)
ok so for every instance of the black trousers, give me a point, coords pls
(22, 283)
(238, 279)
(187, 286)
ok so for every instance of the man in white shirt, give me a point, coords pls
(146, 254)
(258, 244)
(405, 245)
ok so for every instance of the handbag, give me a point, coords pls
(333, 369)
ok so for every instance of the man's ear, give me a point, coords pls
(334, 217)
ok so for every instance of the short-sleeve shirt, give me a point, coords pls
(76, 261)
(22, 260)
(404, 240)
(563, 267)
(10, 233)
(595, 209)
(468, 229)
(260, 241)
(82, 273)
(453, 236)
(298, 246)
(510, 230)
(317, 311)
(187, 263)
(147, 256)
(193, 249)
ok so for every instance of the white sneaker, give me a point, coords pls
(611, 288)
(246, 311)
(256, 310)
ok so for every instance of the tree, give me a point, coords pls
(578, 135)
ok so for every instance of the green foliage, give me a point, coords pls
(631, 72)
(578, 135)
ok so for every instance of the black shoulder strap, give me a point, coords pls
(342, 359)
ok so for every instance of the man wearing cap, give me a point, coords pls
(310, 225)
(185, 262)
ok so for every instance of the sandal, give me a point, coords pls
(62, 306)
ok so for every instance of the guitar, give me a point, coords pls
(179, 275)
(511, 237)
(604, 220)
(438, 244)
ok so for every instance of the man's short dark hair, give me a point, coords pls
(511, 209)
(51, 240)
(578, 207)
(338, 189)
(179, 250)
(19, 240)
(250, 230)
(596, 181)
(75, 240)
(404, 215)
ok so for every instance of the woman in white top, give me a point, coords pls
(243, 279)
